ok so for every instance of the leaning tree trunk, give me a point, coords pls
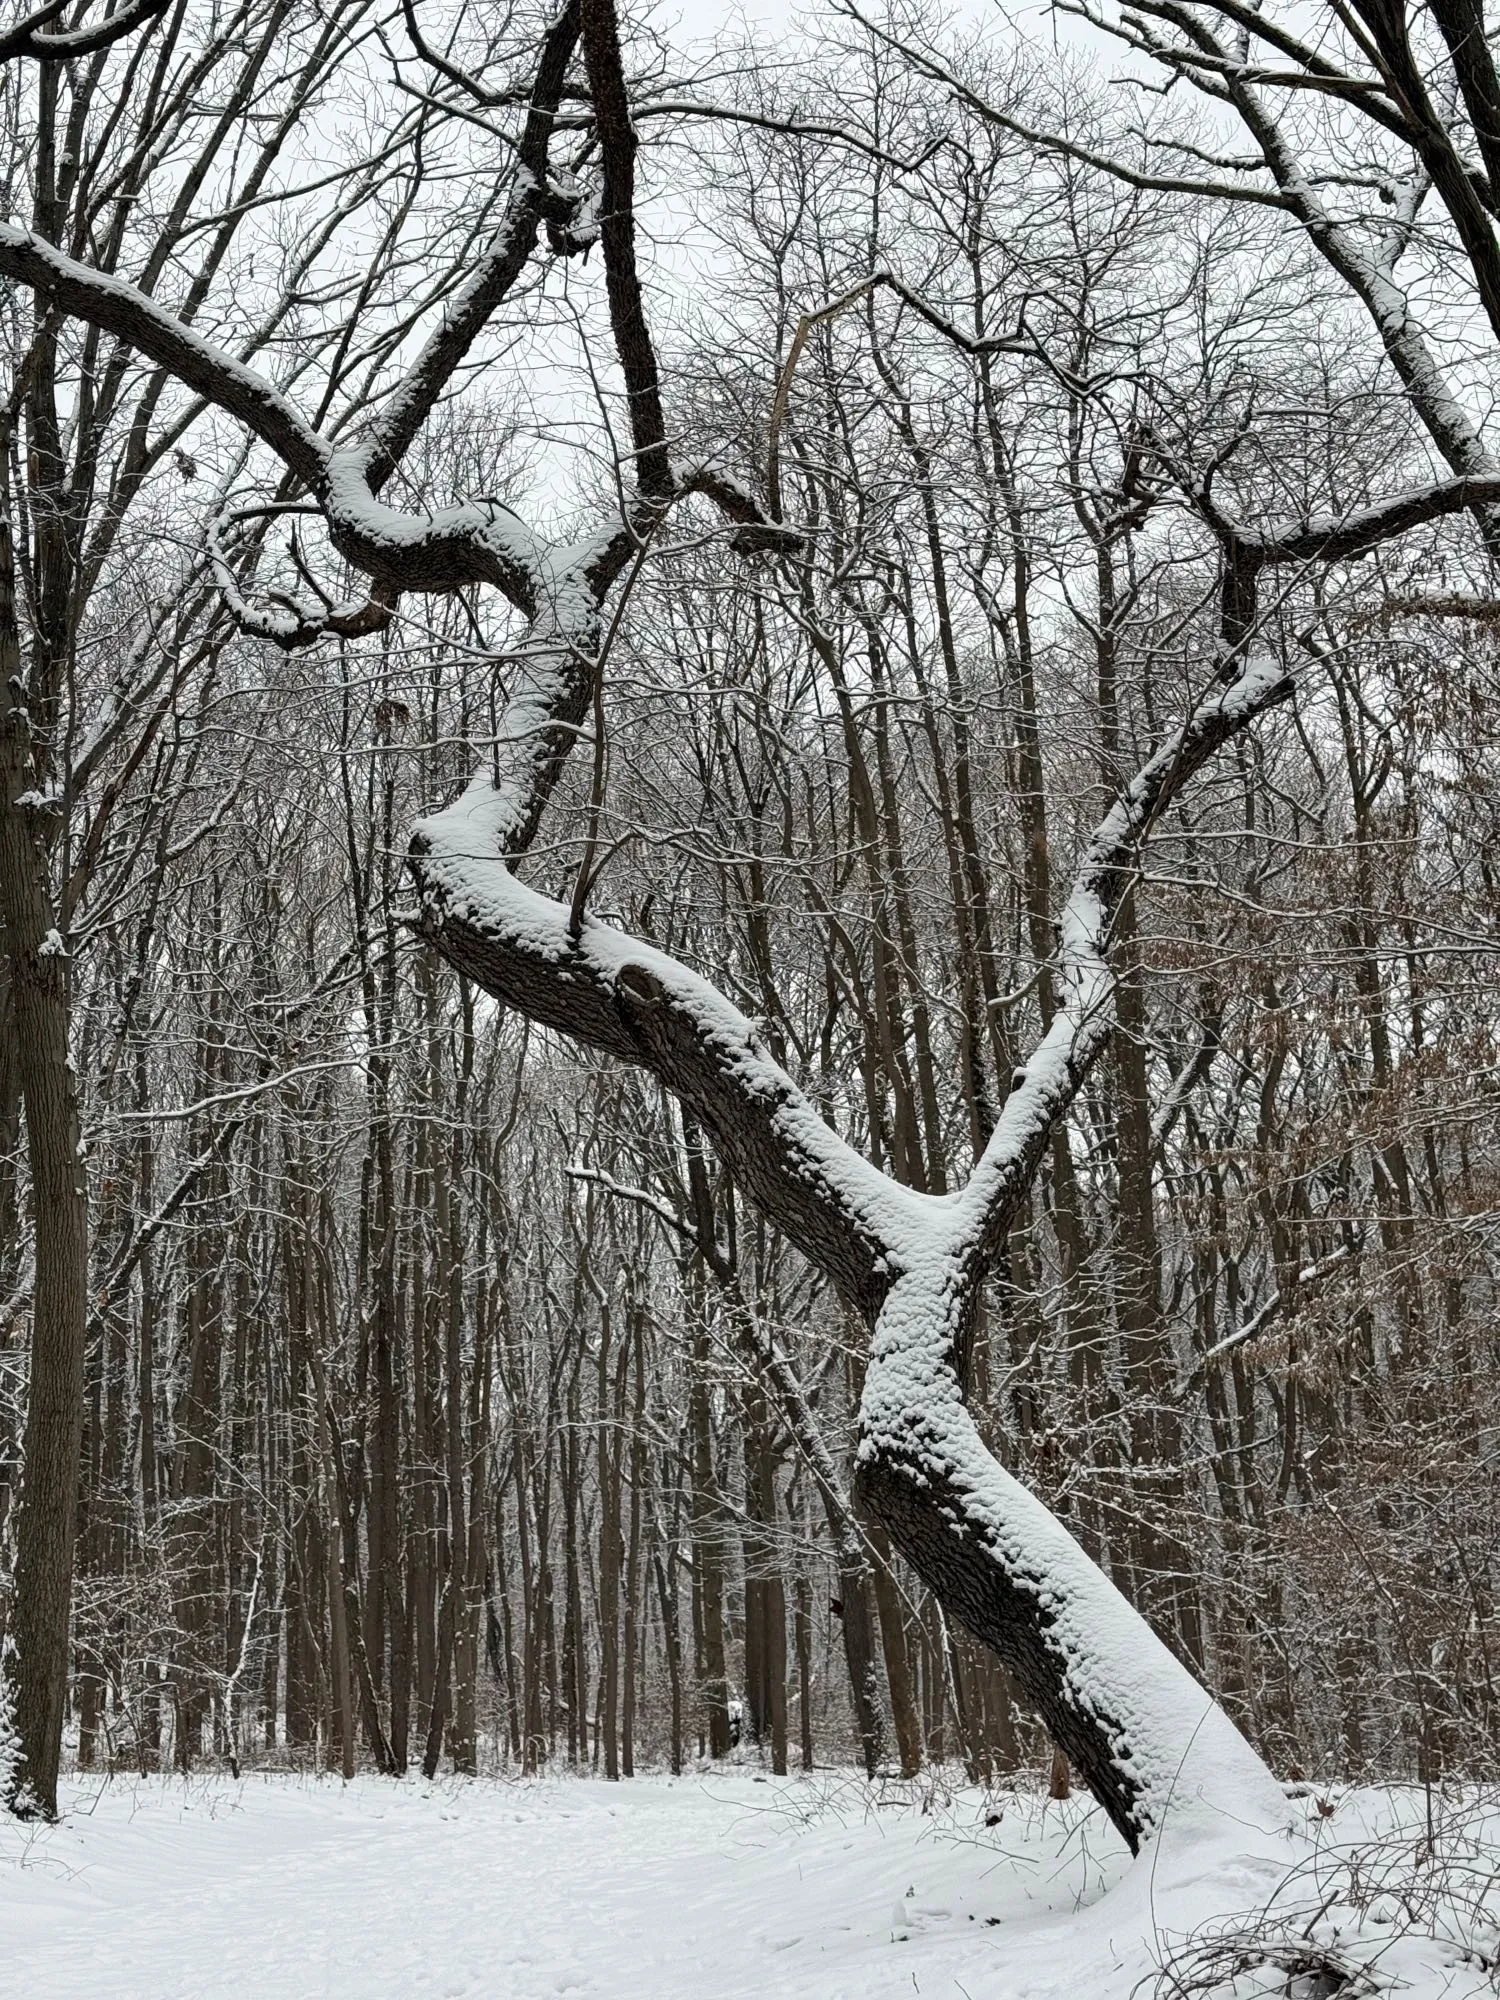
(1146, 1738)
(1150, 1742)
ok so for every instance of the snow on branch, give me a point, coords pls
(626, 998)
(1332, 537)
(123, 310)
(1045, 1086)
(602, 987)
(37, 38)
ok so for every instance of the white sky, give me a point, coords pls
(701, 20)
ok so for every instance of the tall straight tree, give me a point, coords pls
(123, 127)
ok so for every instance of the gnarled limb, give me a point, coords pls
(633, 1002)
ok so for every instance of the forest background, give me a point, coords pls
(443, 1398)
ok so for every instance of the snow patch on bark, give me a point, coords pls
(10, 1742)
(1190, 1770)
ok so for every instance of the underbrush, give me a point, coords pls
(1398, 1891)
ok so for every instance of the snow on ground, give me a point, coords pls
(715, 1886)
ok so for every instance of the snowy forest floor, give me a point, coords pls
(716, 1886)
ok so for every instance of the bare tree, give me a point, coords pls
(908, 1252)
(131, 108)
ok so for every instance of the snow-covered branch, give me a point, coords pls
(1045, 1086)
(37, 38)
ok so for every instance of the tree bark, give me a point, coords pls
(36, 1663)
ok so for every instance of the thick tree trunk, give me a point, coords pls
(610, 1409)
(37, 1650)
(629, 1688)
(666, 1591)
(802, 1639)
(341, 1668)
(858, 1629)
(904, 1714)
(1141, 1732)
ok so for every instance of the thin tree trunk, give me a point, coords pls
(898, 1677)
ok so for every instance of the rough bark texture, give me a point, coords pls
(1003, 1609)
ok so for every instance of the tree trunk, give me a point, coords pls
(1005, 1567)
(629, 1692)
(610, 1410)
(708, 1567)
(897, 1665)
(36, 1662)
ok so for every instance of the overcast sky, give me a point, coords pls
(702, 19)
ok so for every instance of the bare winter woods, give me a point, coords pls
(983, 571)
